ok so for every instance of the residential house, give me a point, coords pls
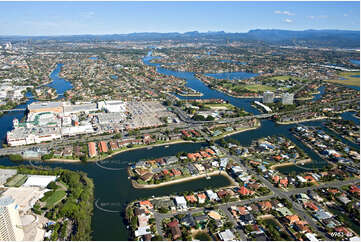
(175, 230)
(212, 196)
(188, 220)
(180, 202)
(226, 235)
(201, 198)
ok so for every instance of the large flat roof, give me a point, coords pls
(39, 105)
(38, 180)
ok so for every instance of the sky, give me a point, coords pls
(69, 18)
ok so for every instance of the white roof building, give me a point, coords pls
(142, 231)
(116, 106)
(226, 235)
(224, 162)
(38, 181)
(212, 195)
(301, 179)
(311, 237)
(181, 202)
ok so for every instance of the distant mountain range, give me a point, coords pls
(309, 38)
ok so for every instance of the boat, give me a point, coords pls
(149, 148)
(166, 146)
(208, 177)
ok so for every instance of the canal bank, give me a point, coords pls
(185, 179)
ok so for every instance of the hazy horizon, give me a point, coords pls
(107, 18)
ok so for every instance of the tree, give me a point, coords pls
(209, 118)
(15, 157)
(163, 210)
(83, 158)
(134, 222)
(52, 185)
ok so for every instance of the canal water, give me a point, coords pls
(198, 85)
(58, 83)
(113, 190)
(356, 62)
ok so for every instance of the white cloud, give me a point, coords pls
(284, 12)
(311, 17)
(345, 15)
(287, 20)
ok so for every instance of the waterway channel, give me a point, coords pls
(113, 190)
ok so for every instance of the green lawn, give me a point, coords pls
(256, 88)
(349, 80)
(54, 198)
(220, 106)
(17, 180)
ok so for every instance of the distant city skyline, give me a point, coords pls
(76, 18)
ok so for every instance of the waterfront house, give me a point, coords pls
(170, 160)
(143, 220)
(146, 204)
(180, 202)
(139, 211)
(68, 151)
(191, 156)
(92, 149)
(211, 152)
(212, 196)
(284, 182)
(191, 198)
(103, 147)
(147, 176)
(222, 193)
(176, 172)
(201, 198)
(200, 168)
(205, 154)
(113, 145)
